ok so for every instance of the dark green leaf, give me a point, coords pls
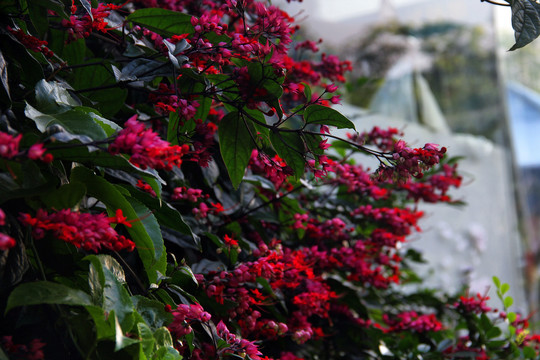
(94, 82)
(165, 214)
(164, 22)
(525, 21)
(322, 115)
(65, 197)
(493, 332)
(38, 17)
(529, 352)
(72, 52)
(54, 5)
(150, 223)
(30, 70)
(46, 292)
(236, 145)
(290, 147)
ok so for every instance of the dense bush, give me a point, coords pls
(166, 192)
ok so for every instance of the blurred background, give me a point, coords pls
(440, 70)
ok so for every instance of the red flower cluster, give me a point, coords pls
(9, 148)
(6, 241)
(472, 304)
(409, 162)
(88, 231)
(144, 186)
(412, 321)
(32, 351)
(185, 315)
(82, 25)
(274, 169)
(31, 42)
(9, 145)
(146, 148)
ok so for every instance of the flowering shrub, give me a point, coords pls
(168, 190)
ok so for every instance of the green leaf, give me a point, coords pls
(497, 282)
(151, 225)
(115, 296)
(508, 301)
(65, 197)
(290, 147)
(312, 142)
(511, 316)
(46, 292)
(154, 260)
(53, 97)
(493, 332)
(152, 311)
(76, 121)
(525, 21)
(236, 145)
(104, 329)
(147, 338)
(322, 115)
(38, 16)
(167, 353)
(529, 352)
(94, 83)
(163, 337)
(121, 341)
(165, 214)
(163, 22)
(504, 288)
(72, 52)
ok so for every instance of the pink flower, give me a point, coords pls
(331, 88)
(6, 242)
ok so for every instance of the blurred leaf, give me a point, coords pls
(508, 301)
(46, 292)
